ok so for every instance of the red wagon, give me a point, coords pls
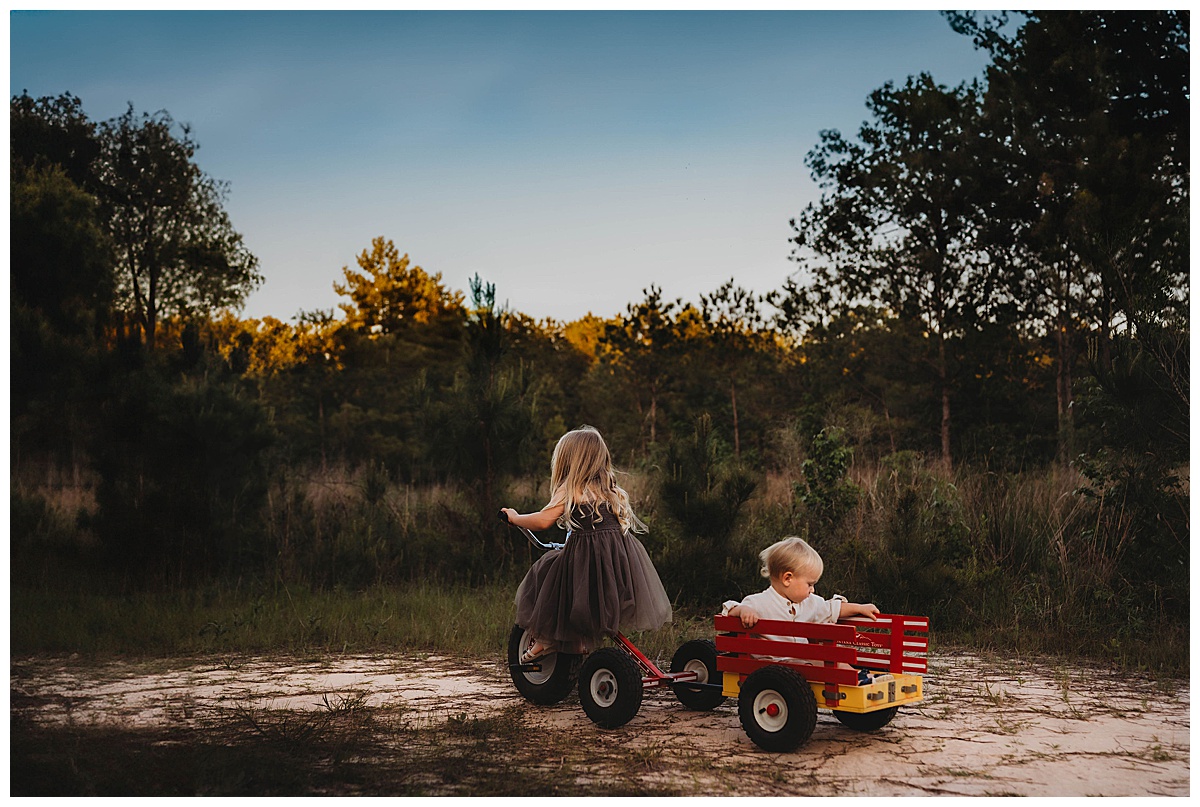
(780, 684)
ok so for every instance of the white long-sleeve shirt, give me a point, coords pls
(770, 604)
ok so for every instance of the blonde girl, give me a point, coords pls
(602, 581)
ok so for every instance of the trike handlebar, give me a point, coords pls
(533, 539)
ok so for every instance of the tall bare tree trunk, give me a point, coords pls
(737, 444)
(943, 377)
(653, 416)
(321, 429)
(1062, 385)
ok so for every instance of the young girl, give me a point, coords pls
(602, 581)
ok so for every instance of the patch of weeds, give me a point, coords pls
(343, 748)
(649, 757)
(1052, 756)
(175, 761)
(493, 727)
(1073, 713)
(996, 698)
(778, 775)
(1164, 686)
(1156, 753)
(964, 773)
(340, 729)
(1007, 727)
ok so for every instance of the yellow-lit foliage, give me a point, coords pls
(390, 291)
(267, 346)
(586, 333)
(689, 322)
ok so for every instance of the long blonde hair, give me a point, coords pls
(581, 468)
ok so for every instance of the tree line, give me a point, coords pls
(994, 277)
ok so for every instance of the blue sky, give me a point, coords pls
(571, 158)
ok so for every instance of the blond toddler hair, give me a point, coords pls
(792, 554)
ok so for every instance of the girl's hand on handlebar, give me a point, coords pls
(507, 513)
(541, 520)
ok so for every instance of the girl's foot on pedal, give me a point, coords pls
(537, 650)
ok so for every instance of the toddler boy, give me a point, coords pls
(793, 568)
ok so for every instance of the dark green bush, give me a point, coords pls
(825, 492)
(182, 469)
(703, 492)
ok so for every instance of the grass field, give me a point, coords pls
(230, 620)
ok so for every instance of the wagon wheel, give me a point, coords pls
(549, 685)
(866, 721)
(777, 708)
(610, 687)
(698, 656)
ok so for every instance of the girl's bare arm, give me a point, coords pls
(541, 520)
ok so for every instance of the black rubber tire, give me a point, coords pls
(610, 687)
(553, 683)
(700, 655)
(866, 721)
(794, 704)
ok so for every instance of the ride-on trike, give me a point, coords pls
(777, 693)
(612, 679)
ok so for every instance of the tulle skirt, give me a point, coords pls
(600, 583)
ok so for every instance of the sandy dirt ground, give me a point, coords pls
(986, 727)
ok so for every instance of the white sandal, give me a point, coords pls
(546, 649)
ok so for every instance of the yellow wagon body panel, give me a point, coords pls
(900, 690)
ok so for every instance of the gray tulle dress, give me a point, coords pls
(600, 583)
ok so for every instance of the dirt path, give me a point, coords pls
(986, 728)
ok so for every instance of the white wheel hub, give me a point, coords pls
(770, 710)
(699, 668)
(603, 687)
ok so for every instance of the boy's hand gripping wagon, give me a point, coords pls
(779, 684)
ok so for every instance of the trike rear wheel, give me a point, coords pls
(610, 687)
(552, 682)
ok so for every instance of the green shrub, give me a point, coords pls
(703, 493)
(918, 562)
(827, 495)
(182, 475)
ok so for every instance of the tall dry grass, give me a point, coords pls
(350, 559)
